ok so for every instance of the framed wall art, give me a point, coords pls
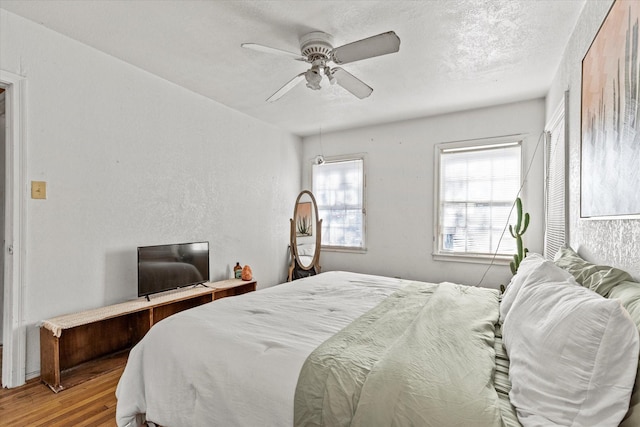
(610, 144)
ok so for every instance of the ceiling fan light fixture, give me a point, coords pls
(313, 78)
(327, 72)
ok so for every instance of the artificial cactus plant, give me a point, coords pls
(521, 226)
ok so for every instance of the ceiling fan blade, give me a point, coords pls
(273, 50)
(382, 44)
(286, 88)
(351, 83)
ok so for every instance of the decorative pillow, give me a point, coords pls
(598, 278)
(532, 264)
(306, 250)
(628, 293)
(573, 355)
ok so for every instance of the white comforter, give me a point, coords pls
(235, 361)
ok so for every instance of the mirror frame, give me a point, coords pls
(295, 260)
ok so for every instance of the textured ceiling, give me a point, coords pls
(454, 54)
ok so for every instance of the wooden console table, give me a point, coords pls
(71, 344)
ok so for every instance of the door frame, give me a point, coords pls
(14, 328)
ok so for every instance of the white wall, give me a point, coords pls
(611, 242)
(399, 193)
(129, 160)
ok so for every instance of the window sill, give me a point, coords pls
(474, 259)
(344, 250)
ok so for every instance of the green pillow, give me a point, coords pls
(598, 278)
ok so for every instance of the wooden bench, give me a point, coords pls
(72, 344)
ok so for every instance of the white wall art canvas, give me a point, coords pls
(610, 164)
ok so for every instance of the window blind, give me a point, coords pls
(555, 186)
(478, 186)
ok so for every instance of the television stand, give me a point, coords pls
(72, 346)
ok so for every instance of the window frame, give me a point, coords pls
(338, 159)
(480, 144)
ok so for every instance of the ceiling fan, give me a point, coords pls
(317, 49)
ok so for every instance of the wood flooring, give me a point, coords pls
(92, 403)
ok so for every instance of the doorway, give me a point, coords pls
(14, 201)
(2, 194)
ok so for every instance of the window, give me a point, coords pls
(476, 185)
(338, 186)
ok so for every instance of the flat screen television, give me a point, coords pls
(166, 267)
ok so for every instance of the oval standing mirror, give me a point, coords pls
(305, 237)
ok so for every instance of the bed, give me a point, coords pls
(343, 348)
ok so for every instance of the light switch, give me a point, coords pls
(38, 189)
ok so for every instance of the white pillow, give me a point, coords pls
(531, 264)
(306, 250)
(573, 355)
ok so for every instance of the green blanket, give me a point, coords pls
(423, 357)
